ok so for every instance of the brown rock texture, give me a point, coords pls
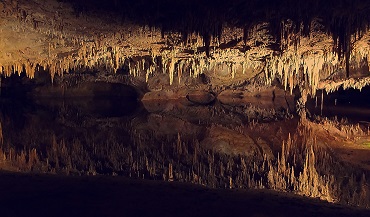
(61, 39)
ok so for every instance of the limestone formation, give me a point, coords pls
(64, 38)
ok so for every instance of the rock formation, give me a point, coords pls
(240, 45)
(257, 62)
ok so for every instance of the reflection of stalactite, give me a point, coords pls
(170, 172)
(1, 134)
(308, 182)
(23, 160)
(301, 166)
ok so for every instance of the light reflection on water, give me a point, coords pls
(217, 146)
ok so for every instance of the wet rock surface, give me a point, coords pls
(213, 145)
(228, 94)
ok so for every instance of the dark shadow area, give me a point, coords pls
(15, 86)
(45, 195)
(72, 86)
(350, 104)
(343, 19)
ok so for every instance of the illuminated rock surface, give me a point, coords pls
(217, 52)
(189, 91)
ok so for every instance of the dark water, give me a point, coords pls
(350, 104)
(218, 146)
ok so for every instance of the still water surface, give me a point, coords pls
(218, 146)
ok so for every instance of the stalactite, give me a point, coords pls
(296, 63)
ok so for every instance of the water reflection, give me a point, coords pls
(348, 104)
(218, 146)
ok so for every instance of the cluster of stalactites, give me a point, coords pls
(176, 66)
(170, 64)
(306, 68)
(297, 69)
(87, 57)
(354, 83)
(360, 60)
(8, 70)
(57, 67)
(293, 67)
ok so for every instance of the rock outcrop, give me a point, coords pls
(205, 47)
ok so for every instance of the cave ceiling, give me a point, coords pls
(307, 45)
(220, 84)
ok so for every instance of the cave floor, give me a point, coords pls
(53, 195)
